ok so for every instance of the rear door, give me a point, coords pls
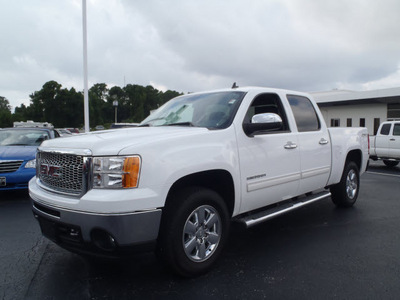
(313, 143)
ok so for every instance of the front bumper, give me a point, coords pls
(16, 180)
(109, 235)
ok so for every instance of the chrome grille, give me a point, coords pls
(62, 172)
(8, 166)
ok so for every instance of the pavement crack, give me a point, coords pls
(35, 248)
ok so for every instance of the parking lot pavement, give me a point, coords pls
(378, 167)
(317, 252)
(21, 245)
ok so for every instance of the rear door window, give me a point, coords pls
(304, 113)
(396, 129)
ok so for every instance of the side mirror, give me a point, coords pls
(263, 123)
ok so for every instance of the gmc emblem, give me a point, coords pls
(49, 170)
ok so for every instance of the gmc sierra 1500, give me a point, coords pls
(175, 182)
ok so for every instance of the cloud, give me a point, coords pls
(187, 45)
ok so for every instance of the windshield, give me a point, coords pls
(25, 137)
(210, 110)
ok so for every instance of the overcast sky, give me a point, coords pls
(196, 45)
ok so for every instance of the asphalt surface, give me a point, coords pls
(316, 252)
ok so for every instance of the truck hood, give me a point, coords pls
(112, 142)
(17, 152)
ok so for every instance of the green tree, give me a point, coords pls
(97, 102)
(5, 113)
(64, 108)
(115, 94)
(20, 113)
(44, 106)
(168, 95)
(71, 103)
(53, 104)
(133, 105)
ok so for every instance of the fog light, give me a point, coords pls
(103, 240)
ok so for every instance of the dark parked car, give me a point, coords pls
(73, 130)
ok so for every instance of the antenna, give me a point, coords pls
(234, 86)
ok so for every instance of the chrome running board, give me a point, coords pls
(279, 209)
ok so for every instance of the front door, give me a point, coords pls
(270, 161)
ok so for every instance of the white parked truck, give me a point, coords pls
(386, 144)
(202, 160)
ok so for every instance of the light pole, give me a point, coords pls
(115, 104)
(85, 69)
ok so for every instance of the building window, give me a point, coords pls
(377, 122)
(393, 111)
(349, 122)
(362, 122)
(335, 122)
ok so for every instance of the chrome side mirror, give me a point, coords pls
(263, 123)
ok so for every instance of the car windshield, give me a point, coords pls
(211, 110)
(22, 137)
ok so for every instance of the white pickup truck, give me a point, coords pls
(174, 183)
(386, 144)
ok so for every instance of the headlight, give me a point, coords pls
(31, 164)
(116, 172)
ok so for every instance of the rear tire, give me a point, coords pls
(194, 231)
(345, 193)
(390, 163)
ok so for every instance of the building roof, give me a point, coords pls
(342, 97)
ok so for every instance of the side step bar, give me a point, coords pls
(269, 213)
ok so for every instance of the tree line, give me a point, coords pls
(64, 107)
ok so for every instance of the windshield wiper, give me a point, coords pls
(190, 124)
(148, 123)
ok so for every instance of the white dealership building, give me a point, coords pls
(353, 109)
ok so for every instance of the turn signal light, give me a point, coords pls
(131, 170)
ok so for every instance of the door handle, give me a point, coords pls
(392, 140)
(290, 145)
(323, 141)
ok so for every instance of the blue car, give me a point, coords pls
(17, 155)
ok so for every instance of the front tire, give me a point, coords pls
(193, 232)
(345, 193)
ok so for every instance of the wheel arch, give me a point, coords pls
(339, 164)
(355, 156)
(218, 180)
